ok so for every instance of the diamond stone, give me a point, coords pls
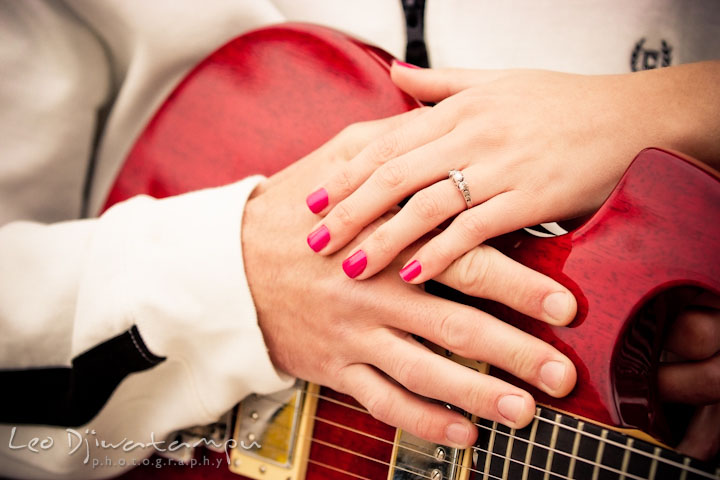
(458, 176)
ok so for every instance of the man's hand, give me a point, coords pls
(693, 377)
(357, 337)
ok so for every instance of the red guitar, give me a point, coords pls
(274, 95)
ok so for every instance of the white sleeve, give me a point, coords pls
(160, 281)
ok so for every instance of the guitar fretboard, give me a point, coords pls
(557, 446)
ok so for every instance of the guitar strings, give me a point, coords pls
(336, 469)
(487, 451)
(623, 446)
(491, 453)
(470, 469)
(581, 433)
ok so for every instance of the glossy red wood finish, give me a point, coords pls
(268, 98)
(256, 105)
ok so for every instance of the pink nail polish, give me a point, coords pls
(317, 200)
(319, 238)
(355, 264)
(406, 65)
(411, 270)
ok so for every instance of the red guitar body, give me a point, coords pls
(270, 97)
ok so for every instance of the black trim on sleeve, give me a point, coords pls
(415, 51)
(72, 396)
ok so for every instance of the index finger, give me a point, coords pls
(409, 130)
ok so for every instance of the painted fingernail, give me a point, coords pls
(557, 306)
(458, 434)
(411, 270)
(406, 65)
(319, 238)
(511, 407)
(355, 264)
(552, 374)
(317, 200)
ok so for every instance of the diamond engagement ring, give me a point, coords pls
(459, 180)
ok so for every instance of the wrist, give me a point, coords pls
(679, 109)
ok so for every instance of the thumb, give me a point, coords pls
(435, 84)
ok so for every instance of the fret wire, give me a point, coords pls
(537, 416)
(508, 453)
(488, 458)
(633, 449)
(686, 462)
(626, 458)
(589, 462)
(653, 465)
(553, 441)
(575, 448)
(528, 452)
(598, 456)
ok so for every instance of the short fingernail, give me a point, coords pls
(405, 65)
(319, 238)
(511, 407)
(458, 434)
(317, 200)
(552, 374)
(557, 306)
(411, 270)
(355, 264)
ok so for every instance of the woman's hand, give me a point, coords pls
(533, 147)
(359, 338)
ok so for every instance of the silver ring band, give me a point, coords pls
(459, 180)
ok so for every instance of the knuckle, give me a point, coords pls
(452, 332)
(479, 399)
(473, 227)
(391, 175)
(343, 214)
(377, 404)
(382, 241)
(426, 205)
(409, 374)
(523, 361)
(700, 331)
(423, 426)
(440, 252)
(472, 270)
(352, 130)
(344, 181)
(384, 148)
